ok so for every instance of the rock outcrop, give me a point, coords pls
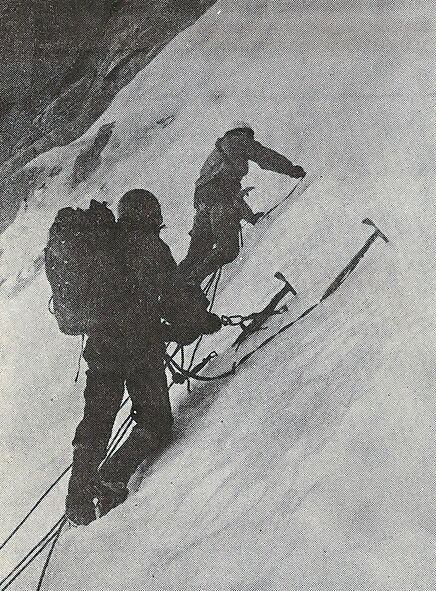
(63, 62)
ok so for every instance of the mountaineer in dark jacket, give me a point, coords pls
(127, 350)
(219, 200)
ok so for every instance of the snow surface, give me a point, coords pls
(313, 467)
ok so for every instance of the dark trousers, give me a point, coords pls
(146, 384)
(214, 240)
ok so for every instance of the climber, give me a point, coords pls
(126, 349)
(219, 200)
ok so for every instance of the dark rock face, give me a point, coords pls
(16, 190)
(89, 160)
(62, 63)
(43, 39)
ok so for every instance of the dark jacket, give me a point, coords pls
(147, 287)
(229, 160)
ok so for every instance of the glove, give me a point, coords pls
(212, 323)
(256, 217)
(185, 334)
(182, 335)
(186, 338)
(297, 172)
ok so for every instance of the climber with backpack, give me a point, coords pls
(219, 200)
(117, 282)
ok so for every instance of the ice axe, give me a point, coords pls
(253, 322)
(355, 260)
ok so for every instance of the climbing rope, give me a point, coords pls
(291, 192)
(49, 555)
(53, 535)
(186, 373)
(180, 348)
(180, 375)
(52, 486)
(118, 437)
(35, 506)
(37, 549)
(215, 278)
(193, 375)
(235, 320)
(176, 370)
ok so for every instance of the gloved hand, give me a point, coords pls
(186, 333)
(297, 172)
(212, 323)
(182, 334)
(257, 217)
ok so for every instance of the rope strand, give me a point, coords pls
(117, 438)
(28, 558)
(38, 502)
(217, 277)
(82, 347)
(49, 555)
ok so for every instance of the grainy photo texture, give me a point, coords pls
(217, 288)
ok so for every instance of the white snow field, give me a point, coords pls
(313, 467)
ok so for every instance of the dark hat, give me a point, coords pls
(139, 205)
(241, 125)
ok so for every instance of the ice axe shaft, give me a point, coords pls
(355, 260)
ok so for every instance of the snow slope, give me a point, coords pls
(312, 467)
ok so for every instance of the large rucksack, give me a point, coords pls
(80, 266)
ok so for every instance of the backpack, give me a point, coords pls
(80, 264)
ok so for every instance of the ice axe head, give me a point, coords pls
(369, 222)
(278, 275)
